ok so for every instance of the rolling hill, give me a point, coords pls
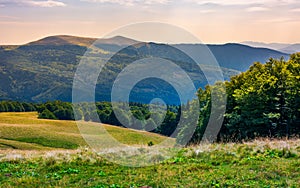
(60, 40)
(25, 131)
(43, 70)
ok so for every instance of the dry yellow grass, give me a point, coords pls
(26, 131)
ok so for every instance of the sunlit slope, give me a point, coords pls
(26, 131)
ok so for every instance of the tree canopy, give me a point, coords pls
(261, 102)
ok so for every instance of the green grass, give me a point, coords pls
(12, 144)
(218, 165)
(31, 155)
(26, 131)
(55, 143)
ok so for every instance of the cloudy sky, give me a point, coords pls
(212, 21)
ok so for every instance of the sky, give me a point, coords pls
(211, 21)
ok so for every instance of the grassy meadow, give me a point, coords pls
(26, 131)
(50, 153)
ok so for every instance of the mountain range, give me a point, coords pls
(282, 47)
(43, 70)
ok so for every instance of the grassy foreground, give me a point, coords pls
(32, 154)
(260, 164)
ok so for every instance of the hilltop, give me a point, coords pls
(81, 41)
(43, 70)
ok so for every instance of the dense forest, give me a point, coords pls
(261, 102)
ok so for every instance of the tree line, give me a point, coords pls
(14, 106)
(141, 119)
(261, 102)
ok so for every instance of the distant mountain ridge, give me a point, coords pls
(274, 46)
(235, 56)
(44, 69)
(282, 47)
(291, 49)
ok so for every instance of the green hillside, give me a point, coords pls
(44, 70)
(25, 132)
